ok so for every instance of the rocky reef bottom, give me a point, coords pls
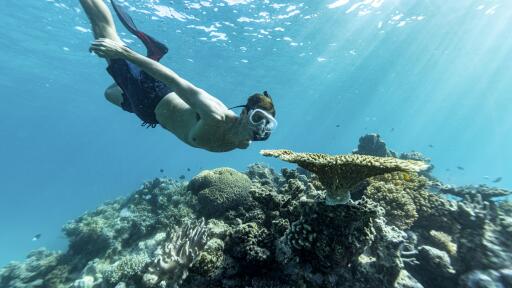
(260, 228)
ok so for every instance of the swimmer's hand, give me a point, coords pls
(109, 49)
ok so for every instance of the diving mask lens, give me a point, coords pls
(262, 119)
(262, 124)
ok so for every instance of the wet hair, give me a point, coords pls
(261, 101)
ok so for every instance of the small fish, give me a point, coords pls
(460, 167)
(188, 169)
(392, 129)
(447, 169)
(430, 145)
(497, 180)
(182, 177)
(338, 125)
(161, 170)
(36, 237)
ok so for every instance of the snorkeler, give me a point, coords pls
(157, 95)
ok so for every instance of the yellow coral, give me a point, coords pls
(428, 206)
(398, 205)
(340, 173)
(444, 242)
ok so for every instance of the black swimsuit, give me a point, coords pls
(141, 92)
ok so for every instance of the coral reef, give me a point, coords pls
(341, 173)
(266, 228)
(37, 271)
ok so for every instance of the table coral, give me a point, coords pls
(341, 173)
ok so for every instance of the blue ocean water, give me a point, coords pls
(431, 76)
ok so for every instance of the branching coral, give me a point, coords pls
(35, 272)
(127, 268)
(381, 263)
(247, 243)
(484, 240)
(487, 278)
(263, 174)
(505, 208)
(406, 202)
(400, 210)
(157, 204)
(341, 173)
(92, 234)
(434, 268)
(432, 212)
(209, 262)
(333, 236)
(176, 255)
(486, 193)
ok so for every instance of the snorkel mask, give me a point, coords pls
(260, 122)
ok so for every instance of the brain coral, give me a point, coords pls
(220, 190)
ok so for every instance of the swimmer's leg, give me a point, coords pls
(101, 20)
(103, 27)
(114, 95)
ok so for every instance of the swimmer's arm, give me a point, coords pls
(198, 99)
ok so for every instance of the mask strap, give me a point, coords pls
(245, 106)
